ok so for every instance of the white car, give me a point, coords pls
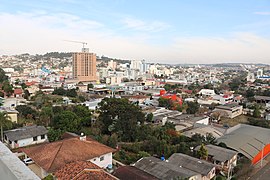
(28, 161)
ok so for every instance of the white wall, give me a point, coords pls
(204, 121)
(28, 141)
(103, 164)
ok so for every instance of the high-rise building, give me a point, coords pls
(84, 66)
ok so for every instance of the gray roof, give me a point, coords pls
(188, 162)
(162, 169)
(11, 167)
(262, 98)
(228, 106)
(219, 153)
(25, 132)
(246, 139)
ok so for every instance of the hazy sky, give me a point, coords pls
(167, 31)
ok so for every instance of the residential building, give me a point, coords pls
(82, 170)
(131, 172)
(11, 112)
(25, 136)
(84, 66)
(223, 158)
(229, 110)
(51, 157)
(165, 170)
(204, 168)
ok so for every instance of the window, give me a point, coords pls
(95, 159)
(35, 138)
(101, 158)
(43, 136)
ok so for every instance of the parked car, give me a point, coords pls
(28, 161)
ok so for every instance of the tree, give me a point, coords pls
(121, 117)
(2, 94)
(54, 134)
(257, 112)
(66, 121)
(3, 76)
(193, 107)
(202, 152)
(46, 115)
(167, 103)
(26, 94)
(149, 117)
(90, 86)
(4, 121)
(25, 111)
(7, 88)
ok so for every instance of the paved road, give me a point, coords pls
(262, 174)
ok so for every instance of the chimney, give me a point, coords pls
(82, 137)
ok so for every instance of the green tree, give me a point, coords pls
(4, 121)
(257, 112)
(3, 76)
(149, 117)
(26, 111)
(26, 94)
(90, 86)
(54, 134)
(46, 115)
(66, 121)
(121, 117)
(167, 103)
(7, 87)
(202, 152)
(193, 107)
(59, 91)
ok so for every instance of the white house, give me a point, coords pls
(25, 136)
(230, 110)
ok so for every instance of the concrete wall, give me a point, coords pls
(27, 142)
(103, 163)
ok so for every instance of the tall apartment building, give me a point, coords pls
(84, 66)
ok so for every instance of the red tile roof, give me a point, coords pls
(82, 170)
(55, 155)
(18, 91)
(94, 174)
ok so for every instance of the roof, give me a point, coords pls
(228, 106)
(25, 132)
(94, 174)
(55, 155)
(162, 169)
(11, 167)
(246, 139)
(262, 98)
(78, 169)
(188, 162)
(18, 91)
(131, 172)
(219, 153)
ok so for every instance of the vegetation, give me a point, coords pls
(5, 123)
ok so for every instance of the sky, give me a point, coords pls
(164, 31)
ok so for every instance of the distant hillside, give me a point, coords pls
(106, 59)
(60, 55)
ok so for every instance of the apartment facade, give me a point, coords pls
(84, 66)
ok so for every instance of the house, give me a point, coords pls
(25, 136)
(11, 112)
(18, 92)
(82, 170)
(131, 172)
(204, 168)
(165, 170)
(51, 157)
(229, 110)
(207, 92)
(222, 157)
(12, 168)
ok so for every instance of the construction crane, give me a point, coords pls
(83, 43)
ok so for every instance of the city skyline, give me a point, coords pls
(157, 31)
